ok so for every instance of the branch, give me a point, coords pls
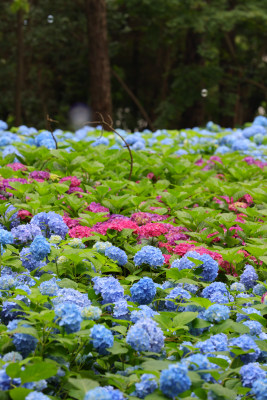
(110, 126)
(48, 121)
(135, 99)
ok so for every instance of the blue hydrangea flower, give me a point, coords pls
(217, 342)
(40, 248)
(247, 311)
(6, 237)
(145, 335)
(209, 266)
(10, 310)
(259, 290)
(120, 310)
(177, 294)
(29, 261)
(26, 233)
(249, 277)
(255, 327)
(116, 254)
(215, 287)
(6, 282)
(142, 313)
(250, 373)
(101, 247)
(68, 316)
(197, 362)
(5, 380)
(109, 288)
(245, 342)
(50, 223)
(36, 396)
(49, 288)
(104, 393)
(24, 343)
(217, 313)
(259, 389)
(69, 295)
(238, 287)
(149, 255)
(91, 313)
(174, 380)
(102, 338)
(12, 356)
(143, 292)
(146, 386)
(189, 287)
(175, 263)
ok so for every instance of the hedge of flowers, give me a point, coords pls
(153, 287)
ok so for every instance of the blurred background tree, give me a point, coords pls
(167, 63)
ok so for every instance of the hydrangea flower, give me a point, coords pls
(149, 255)
(104, 393)
(36, 396)
(40, 248)
(215, 287)
(209, 266)
(142, 313)
(12, 356)
(145, 335)
(143, 292)
(69, 295)
(250, 373)
(259, 289)
(6, 282)
(6, 237)
(102, 338)
(50, 223)
(249, 277)
(259, 389)
(116, 254)
(197, 362)
(121, 310)
(26, 233)
(245, 342)
(101, 246)
(238, 287)
(146, 386)
(174, 380)
(91, 313)
(23, 342)
(248, 311)
(109, 288)
(49, 288)
(255, 327)
(177, 294)
(217, 313)
(68, 316)
(217, 342)
(28, 260)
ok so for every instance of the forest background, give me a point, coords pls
(148, 63)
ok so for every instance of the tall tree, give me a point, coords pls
(99, 63)
(19, 68)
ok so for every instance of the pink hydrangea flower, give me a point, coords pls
(16, 166)
(80, 232)
(74, 181)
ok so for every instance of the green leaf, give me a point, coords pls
(38, 371)
(19, 393)
(184, 318)
(67, 283)
(155, 365)
(79, 387)
(223, 392)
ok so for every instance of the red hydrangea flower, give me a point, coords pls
(71, 223)
(152, 230)
(74, 181)
(16, 166)
(24, 214)
(80, 232)
(142, 218)
(97, 208)
(116, 224)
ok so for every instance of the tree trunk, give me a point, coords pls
(19, 72)
(99, 64)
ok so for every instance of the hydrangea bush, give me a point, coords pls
(153, 287)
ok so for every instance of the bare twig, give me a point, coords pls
(135, 99)
(48, 121)
(110, 126)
